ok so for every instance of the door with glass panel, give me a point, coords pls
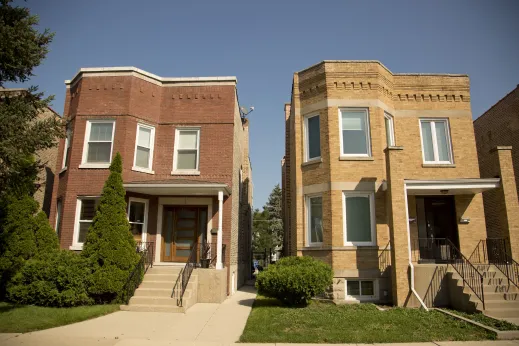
(182, 229)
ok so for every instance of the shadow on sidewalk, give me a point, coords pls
(247, 289)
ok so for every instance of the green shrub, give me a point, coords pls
(109, 247)
(295, 280)
(59, 280)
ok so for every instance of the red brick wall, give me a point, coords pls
(129, 100)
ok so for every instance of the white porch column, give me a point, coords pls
(219, 264)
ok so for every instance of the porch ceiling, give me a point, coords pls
(177, 187)
(451, 186)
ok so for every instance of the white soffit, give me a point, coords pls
(451, 186)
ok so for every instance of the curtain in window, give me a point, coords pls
(427, 139)
(100, 142)
(441, 138)
(142, 157)
(316, 220)
(354, 134)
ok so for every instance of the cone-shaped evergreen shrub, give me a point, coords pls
(24, 236)
(109, 246)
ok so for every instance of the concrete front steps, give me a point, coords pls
(501, 299)
(155, 291)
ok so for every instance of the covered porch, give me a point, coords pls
(179, 221)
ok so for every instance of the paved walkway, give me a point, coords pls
(203, 324)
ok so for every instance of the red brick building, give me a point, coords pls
(186, 168)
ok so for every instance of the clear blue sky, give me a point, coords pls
(263, 42)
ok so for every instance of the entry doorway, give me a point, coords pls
(437, 228)
(184, 227)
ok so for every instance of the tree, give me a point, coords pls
(109, 246)
(268, 224)
(26, 234)
(22, 134)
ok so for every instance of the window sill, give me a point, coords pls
(356, 158)
(142, 170)
(312, 162)
(438, 165)
(95, 165)
(77, 247)
(355, 247)
(185, 173)
(316, 247)
(64, 169)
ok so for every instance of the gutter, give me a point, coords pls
(409, 251)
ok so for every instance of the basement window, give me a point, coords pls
(361, 289)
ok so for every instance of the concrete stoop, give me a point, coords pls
(155, 291)
(501, 299)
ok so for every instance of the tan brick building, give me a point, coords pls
(186, 167)
(497, 141)
(381, 179)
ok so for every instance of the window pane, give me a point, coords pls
(441, 138)
(99, 152)
(83, 229)
(144, 139)
(428, 151)
(367, 288)
(186, 159)
(101, 131)
(354, 135)
(182, 253)
(136, 212)
(136, 230)
(186, 223)
(142, 157)
(352, 288)
(88, 209)
(187, 139)
(316, 220)
(358, 219)
(58, 216)
(314, 138)
(389, 131)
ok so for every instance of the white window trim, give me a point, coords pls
(152, 146)
(84, 163)
(368, 132)
(75, 244)
(391, 119)
(371, 196)
(435, 141)
(308, 220)
(361, 298)
(146, 208)
(307, 139)
(66, 148)
(175, 153)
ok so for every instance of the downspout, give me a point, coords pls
(409, 251)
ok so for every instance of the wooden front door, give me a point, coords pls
(181, 230)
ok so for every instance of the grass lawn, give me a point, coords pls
(22, 319)
(320, 322)
(488, 321)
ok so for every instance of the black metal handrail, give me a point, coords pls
(442, 250)
(145, 251)
(495, 251)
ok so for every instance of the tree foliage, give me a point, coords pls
(268, 224)
(22, 133)
(109, 247)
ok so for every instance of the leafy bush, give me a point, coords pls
(295, 280)
(109, 247)
(59, 280)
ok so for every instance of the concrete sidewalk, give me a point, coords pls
(203, 324)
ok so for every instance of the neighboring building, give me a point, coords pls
(48, 159)
(186, 167)
(380, 177)
(497, 139)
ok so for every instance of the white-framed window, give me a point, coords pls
(144, 145)
(436, 141)
(360, 289)
(66, 149)
(390, 129)
(312, 137)
(59, 212)
(138, 218)
(314, 222)
(85, 211)
(99, 140)
(187, 150)
(359, 218)
(354, 132)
